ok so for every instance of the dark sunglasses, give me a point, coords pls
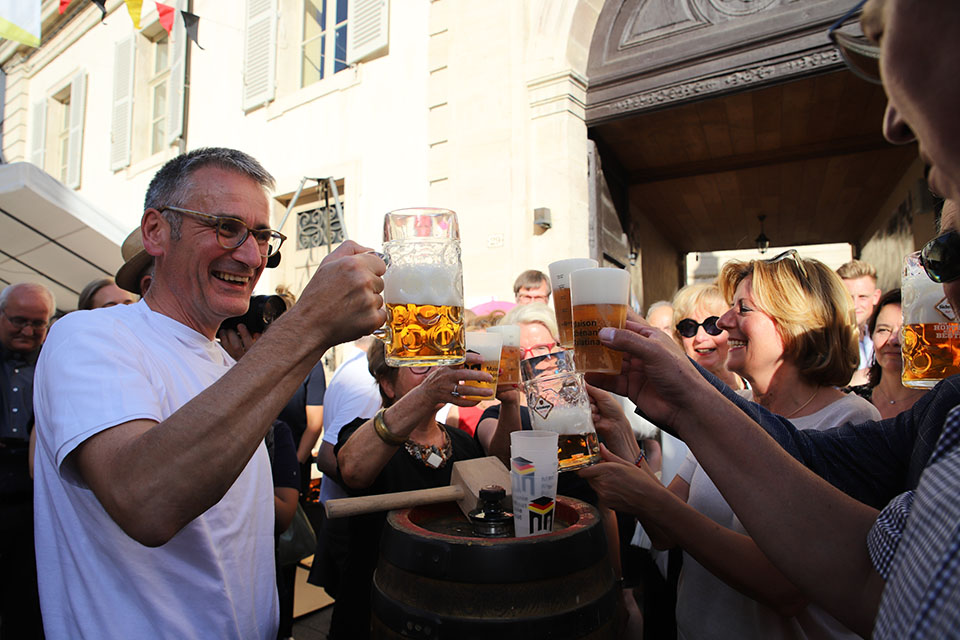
(688, 327)
(941, 257)
(860, 55)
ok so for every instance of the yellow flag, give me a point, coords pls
(20, 21)
(134, 6)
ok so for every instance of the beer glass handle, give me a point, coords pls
(382, 334)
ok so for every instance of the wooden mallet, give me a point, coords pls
(466, 480)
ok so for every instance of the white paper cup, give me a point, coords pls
(533, 477)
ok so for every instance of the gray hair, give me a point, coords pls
(530, 313)
(659, 304)
(172, 184)
(34, 287)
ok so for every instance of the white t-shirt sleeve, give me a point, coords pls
(87, 385)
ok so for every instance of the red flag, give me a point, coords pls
(165, 13)
(63, 5)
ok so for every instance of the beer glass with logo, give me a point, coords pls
(560, 283)
(423, 288)
(558, 402)
(510, 354)
(930, 342)
(598, 299)
(488, 346)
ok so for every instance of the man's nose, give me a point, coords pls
(895, 128)
(249, 252)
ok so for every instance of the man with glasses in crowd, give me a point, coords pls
(893, 573)
(532, 286)
(25, 312)
(154, 503)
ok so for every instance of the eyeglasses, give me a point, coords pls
(688, 327)
(20, 322)
(538, 350)
(233, 232)
(790, 254)
(526, 297)
(861, 56)
(941, 257)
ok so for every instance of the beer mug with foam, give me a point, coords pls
(510, 354)
(487, 345)
(560, 283)
(558, 402)
(423, 288)
(930, 342)
(598, 299)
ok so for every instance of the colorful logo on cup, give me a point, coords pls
(525, 469)
(541, 514)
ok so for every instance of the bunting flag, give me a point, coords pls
(165, 13)
(63, 5)
(103, 9)
(133, 8)
(20, 21)
(191, 24)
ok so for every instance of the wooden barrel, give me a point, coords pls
(435, 580)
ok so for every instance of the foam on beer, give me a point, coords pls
(509, 332)
(486, 344)
(421, 284)
(599, 286)
(561, 269)
(566, 420)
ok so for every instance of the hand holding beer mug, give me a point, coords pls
(423, 288)
(487, 345)
(598, 299)
(560, 283)
(558, 402)
(930, 342)
(510, 354)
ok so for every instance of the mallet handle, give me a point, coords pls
(342, 507)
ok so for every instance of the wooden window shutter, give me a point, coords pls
(38, 136)
(78, 100)
(178, 72)
(367, 29)
(259, 53)
(122, 115)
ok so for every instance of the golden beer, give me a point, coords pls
(489, 367)
(560, 283)
(510, 354)
(424, 334)
(561, 306)
(931, 352)
(577, 450)
(588, 353)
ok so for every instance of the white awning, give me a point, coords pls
(50, 234)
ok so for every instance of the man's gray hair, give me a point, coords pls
(656, 305)
(35, 287)
(171, 185)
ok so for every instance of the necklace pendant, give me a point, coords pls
(434, 460)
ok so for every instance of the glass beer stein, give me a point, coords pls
(560, 283)
(558, 402)
(423, 288)
(930, 342)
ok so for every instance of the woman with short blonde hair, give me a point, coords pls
(696, 310)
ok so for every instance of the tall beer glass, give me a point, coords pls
(930, 342)
(558, 402)
(423, 288)
(560, 283)
(598, 300)
(488, 346)
(510, 354)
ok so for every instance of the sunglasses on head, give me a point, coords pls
(941, 257)
(688, 327)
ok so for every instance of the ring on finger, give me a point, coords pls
(455, 393)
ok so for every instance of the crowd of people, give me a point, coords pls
(151, 459)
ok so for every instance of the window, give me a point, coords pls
(323, 49)
(158, 93)
(61, 107)
(57, 134)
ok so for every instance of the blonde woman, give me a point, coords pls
(793, 337)
(696, 310)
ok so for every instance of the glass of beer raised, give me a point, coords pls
(423, 288)
(488, 346)
(560, 283)
(598, 299)
(930, 341)
(558, 402)
(510, 354)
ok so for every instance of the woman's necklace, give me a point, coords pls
(886, 397)
(431, 455)
(801, 407)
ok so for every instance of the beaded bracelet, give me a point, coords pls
(640, 458)
(380, 427)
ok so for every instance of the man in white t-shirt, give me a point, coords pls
(153, 492)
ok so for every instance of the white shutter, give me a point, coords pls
(259, 52)
(178, 73)
(368, 29)
(78, 100)
(121, 118)
(38, 137)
